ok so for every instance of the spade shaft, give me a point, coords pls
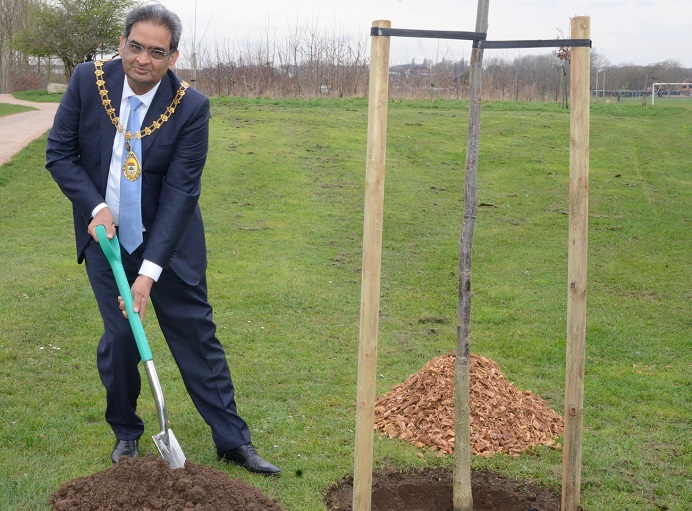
(165, 440)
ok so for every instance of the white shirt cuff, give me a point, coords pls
(98, 208)
(151, 270)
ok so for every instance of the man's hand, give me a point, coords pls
(104, 218)
(141, 290)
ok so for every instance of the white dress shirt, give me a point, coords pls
(148, 268)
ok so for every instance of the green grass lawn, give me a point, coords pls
(8, 109)
(38, 96)
(283, 205)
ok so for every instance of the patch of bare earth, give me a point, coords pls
(431, 490)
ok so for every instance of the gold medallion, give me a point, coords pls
(132, 168)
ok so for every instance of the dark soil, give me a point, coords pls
(148, 484)
(431, 490)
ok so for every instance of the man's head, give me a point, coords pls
(149, 45)
(156, 14)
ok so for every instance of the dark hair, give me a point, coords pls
(159, 15)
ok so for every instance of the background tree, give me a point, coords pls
(13, 16)
(74, 31)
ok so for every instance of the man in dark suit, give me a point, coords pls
(100, 154)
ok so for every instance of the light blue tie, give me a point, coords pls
(130, 224)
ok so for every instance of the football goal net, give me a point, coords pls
(679, 90)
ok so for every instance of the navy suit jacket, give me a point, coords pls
(79, 152)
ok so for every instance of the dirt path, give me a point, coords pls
(19, 130)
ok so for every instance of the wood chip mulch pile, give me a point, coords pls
(504, 419)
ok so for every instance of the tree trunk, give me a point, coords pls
(461, 485)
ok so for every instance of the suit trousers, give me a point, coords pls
(185, 318)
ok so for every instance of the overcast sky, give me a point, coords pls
(623, 31)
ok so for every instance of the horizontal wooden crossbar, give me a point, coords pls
(479, 38)
(534, 43)
(428, 34)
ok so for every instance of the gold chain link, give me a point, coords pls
(101, 84)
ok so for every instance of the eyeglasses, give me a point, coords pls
(156, 54)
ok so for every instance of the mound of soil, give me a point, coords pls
(431, 490)
(148, 484)
(503, 418)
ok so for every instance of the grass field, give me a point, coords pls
(7, 109)
(283, 205)
(38, 96)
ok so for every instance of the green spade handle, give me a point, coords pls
(111, 249)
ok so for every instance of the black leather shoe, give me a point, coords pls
(125, 448)
(247, 457)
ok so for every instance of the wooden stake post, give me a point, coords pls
(372, 256)
(576, 265)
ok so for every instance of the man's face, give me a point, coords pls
(142, 70)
